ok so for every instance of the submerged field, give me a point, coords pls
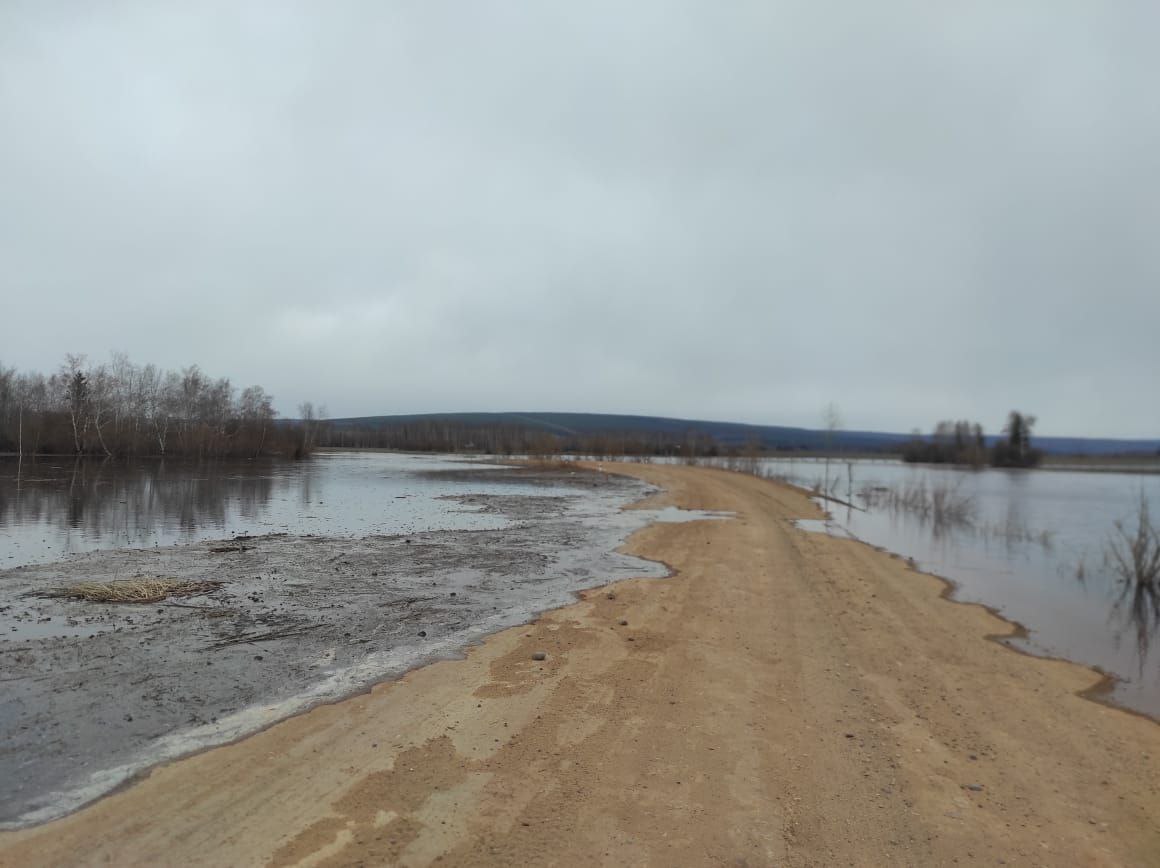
(96, 691)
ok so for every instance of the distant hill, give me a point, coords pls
(727, 434)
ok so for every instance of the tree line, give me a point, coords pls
(119, 408)
(963, 442)
(443, 435)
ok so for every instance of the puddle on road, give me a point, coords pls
(676, 515)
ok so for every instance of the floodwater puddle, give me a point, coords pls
(676, 515)
(22, 629)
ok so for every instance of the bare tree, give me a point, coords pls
(832, 424)
(119, 408)
(309, 419)
(257, 414)
(101, 403)
(75, 386)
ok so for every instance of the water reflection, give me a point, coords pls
(1138, 610)
(1132, 554)
(52, 509)
(129, 504)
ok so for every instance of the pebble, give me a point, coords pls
(974, 788)
(624, 623)
(422, 632)
(539, 655)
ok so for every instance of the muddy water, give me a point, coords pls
(1033, 545)
(355, 568)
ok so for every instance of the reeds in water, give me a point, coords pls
(942, 503)
(1134, 553)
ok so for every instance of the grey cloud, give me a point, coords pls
(739, 211)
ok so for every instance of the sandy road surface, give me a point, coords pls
(786, 699)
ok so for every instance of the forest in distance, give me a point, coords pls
(511, 438)
(596, 434)
(122, 409)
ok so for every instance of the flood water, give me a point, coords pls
(356, 567)
(51, 509)
(1032, 544)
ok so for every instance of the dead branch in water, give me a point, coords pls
(251, 638)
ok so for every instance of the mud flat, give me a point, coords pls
(784, 699)
(94, 693)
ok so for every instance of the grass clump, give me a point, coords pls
(1134, 553)
(942, 503)
(1134, 556)
(133, 590)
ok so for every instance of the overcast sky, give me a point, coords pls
(722, 210)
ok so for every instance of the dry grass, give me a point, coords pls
(132, 590)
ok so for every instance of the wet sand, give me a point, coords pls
(785, 698)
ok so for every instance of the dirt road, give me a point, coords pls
(785, 699)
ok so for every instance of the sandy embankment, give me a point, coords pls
(785, 699)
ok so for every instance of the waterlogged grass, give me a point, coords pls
(132, 590)
(941, 503)
(1133, 554)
